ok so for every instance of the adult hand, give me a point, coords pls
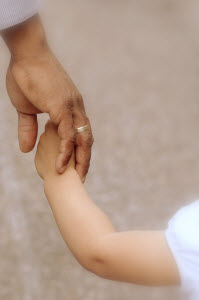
(37, 83)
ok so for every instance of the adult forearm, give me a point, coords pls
(26, 39)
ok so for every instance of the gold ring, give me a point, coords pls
(82, 129)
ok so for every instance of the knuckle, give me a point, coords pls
(79, 99)
(68, 104)
(77, 115)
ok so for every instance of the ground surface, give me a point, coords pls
(136, 64)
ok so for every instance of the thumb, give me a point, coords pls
(27, 131)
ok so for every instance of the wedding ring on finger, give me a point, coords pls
(82, 129)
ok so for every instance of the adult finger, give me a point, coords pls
(27, 131)
(83, 145)
(67, 135)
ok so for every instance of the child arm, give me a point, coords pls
(141, 257)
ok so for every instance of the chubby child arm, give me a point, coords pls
(141, 257)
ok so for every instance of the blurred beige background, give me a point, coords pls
(137, 65)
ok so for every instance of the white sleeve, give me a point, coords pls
(183, 239)
(13, 12)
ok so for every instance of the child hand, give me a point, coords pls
(47, 151)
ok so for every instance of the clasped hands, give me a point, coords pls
(37, 83)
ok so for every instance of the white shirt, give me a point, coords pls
(13, 12)
(183, 239)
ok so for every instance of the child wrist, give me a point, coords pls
(55, 177)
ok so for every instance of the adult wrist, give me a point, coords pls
(26, 39)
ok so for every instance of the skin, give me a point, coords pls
(37, 83)
(141, 257)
